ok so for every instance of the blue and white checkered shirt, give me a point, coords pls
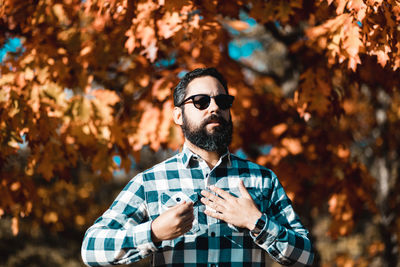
(123, 235)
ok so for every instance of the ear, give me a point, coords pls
(177, 114)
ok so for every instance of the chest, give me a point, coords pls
(168, 191)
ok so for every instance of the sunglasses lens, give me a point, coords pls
(224, 101)
(201, 101)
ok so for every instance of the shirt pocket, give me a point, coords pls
(255, 193)
(258, 198)
(170, 199)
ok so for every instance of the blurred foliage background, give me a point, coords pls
(86, 101)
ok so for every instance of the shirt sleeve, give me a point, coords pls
(284, 237)
(122, 234)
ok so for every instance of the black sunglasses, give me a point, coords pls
(202, 101)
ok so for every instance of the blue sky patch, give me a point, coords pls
(11, 45)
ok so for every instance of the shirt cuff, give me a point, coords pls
(142, 238)
(269, 233)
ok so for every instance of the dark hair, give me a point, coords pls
(180, 89)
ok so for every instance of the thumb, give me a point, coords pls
(243, 190)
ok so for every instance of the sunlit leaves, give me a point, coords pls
(94, 80)
(358, 29)
(314, 93)
(265, 11)
(340, 36)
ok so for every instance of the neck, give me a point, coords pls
(211, 157)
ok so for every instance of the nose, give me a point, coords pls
(213, 107)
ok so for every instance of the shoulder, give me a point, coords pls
(170, 164)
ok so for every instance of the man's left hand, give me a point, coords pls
(240, 212)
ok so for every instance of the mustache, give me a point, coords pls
(215, 118)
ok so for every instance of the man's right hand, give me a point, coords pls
(174, 222)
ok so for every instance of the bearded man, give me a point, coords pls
(203, 206)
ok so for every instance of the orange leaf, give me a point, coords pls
(352, 44)
(359, 6)
(279, 129)
(15, 225)
(130, 44)
(166, 121)
(381, 54)
(292, 145)
(169, 24)
(86, 50)
(341, 4)
(238, 25)
(162, 89)
(107, 97)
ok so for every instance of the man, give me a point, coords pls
(203, 206)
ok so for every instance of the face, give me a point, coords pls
(211, 128)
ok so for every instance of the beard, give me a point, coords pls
(217, 140)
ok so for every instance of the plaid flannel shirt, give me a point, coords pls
(123, 233)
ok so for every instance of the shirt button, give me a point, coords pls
(213, 265)
(206, 174)
(213, 235)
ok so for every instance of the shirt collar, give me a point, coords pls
(187, 155)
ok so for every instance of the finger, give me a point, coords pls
(187, 212)
(179, 205)
(187, 221)
(215, 215)
(211, 204)
(221, 192)
(185, 207)
(185, 216)
(186, 229)
(186, 225)
(212, 197)
(205, 193)
(243, 190)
